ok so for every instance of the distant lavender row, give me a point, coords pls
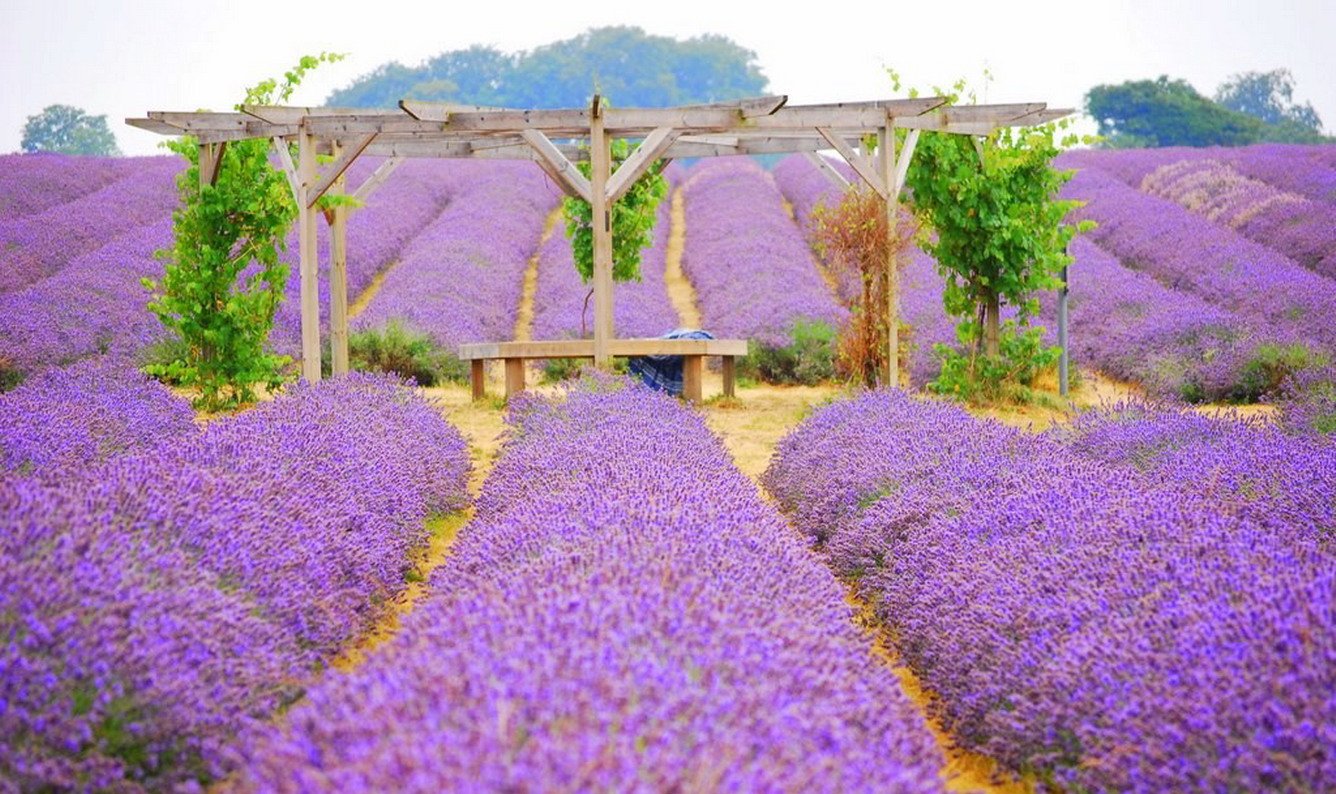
(1252, 469)
(461, 277)
(35, 246)
(1296, 169)
(183, 593)
(753, 272)
(413, 196)
(634, 619)
(30, 183)
(806, 188)
(1176, 345)
(639, 308)
(97, 304)
(1078, 622)
(1188, 252)
(64, 422)
(1297, 227)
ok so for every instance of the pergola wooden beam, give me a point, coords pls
(650, 149)
(342, 161)
(550, 138)
(555, 163)
(823, 165)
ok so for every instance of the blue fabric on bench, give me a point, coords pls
(665, 372)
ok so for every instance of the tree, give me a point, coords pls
(1268, 96)
(1164, 112)
(1000, 239)
(68, 130)
(639, 69)
(224, 280)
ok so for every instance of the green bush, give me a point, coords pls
(1270, 366)
(10, 376)
(408, 353)
(1007, 377)
(808, 359)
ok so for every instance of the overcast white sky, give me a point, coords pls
(123, 58)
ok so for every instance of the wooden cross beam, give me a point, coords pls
(335, 170)
(654, 145)
(377, 178)
(860, 165)
(823, 165)
(210, 162)
(557, 166)
(289, 169)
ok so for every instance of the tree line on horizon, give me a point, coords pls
(637, 69)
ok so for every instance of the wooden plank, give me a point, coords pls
(249, 133)
(203, 120)
(943, 118)
(514, 376)
(153, 125)
(289, 114)
(342, 160)
(210, 162)
(886, 142)
(584, 348)
(338, 277)
(478, 379)
(280, 148)
(649, 150)
(714, 115)
(730, 376)
(601, 158)
(557, 166)
(693, 378)
(902, 163)
(310, 292)
(823, 165)
(860, 166)
(377, 178)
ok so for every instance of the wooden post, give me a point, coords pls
(730, 376)
(310, 288)
(887, 162)
(338, 279)
(600, 157)
(479, 379)
(514, 376)
(692, 372)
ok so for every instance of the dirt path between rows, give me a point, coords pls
(680, 291)
(524, 314)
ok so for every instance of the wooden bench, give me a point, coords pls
(693, 352)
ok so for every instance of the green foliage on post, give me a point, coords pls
(632, 219)
(223, 279)
(1000, 239)
(68, 130)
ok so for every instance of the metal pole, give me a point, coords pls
(1062, 335)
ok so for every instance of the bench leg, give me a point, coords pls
(692, 371)
(730, 376)
(479, 379)
(514, 376)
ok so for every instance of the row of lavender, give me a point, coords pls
(1140, 602)
(94, 302)
(753, 272)
(1127, 323)
(163, 587)
(461, 278)
(636, 619)
(1273, 195)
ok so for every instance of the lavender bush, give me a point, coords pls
(460, 279)
(753, 272)
(183, 592)
(35, 246)
(1086, 624)
(31, 183)
(63, 422)
(1188, 252)
(634, 619)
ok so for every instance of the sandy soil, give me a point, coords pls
(524, 315)
(680, 291)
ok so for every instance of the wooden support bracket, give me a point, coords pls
(836, 178)
(902, 164)
(860, 165)
(557, 166)
(654, 145)
(210, 162)
(377, 178)
(289, 169)
(336, 169)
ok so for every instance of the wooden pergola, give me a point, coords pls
(555, 140)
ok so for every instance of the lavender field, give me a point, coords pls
(1140, 597)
